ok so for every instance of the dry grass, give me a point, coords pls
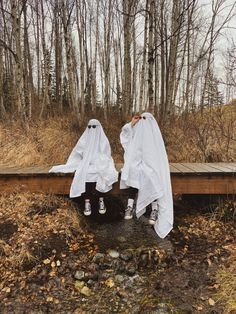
(46, 142)
(192, 138)
(226, 279)
(24, 256)
(210, 137)
(224, 211)
(226, 275)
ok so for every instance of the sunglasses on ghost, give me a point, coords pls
(92, 126)
(139, 117)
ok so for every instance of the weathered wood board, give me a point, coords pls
(186, 178)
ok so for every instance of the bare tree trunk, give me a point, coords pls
(157, 59)
(106, 55)
(143, 69)
(118, 87)
(2, 107)
(28, 77)
(134, 78)
(58, 56)
(16, 27)
(127, 22)
(94, 66)
(45, 65)
(66, 22)
(80, 28)
(176, 22)
(151, 56)
(163, 59)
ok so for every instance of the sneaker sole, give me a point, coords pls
(128, 217)
(87, 214)
(152, 222)
(102, 212)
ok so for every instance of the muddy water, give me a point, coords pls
(131, 234)
(111, 231)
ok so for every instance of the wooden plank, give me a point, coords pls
(44, 174)
(217, 184)
(37, 169)
(219, 166)
(8, 169)
(50, 184)
(191, 184)
(182, 168)
(25, 170)
(173, 168)
(196, 167)
(211, 168)
(201, 168)
(231, 165)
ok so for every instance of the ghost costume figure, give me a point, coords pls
(146, 171)
(92, 163)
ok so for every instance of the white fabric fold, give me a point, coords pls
(91, 160)
(146, 168)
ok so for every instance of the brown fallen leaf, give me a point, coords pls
(79, 285)
(215, 286)
(211, 302)
(109, 283)
(53, 264)
(49, 299)
(209, 262)
(47, 261)
(86, 291)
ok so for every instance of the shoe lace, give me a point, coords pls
(153, 215)
(128, 209)
(101, 204)
(87, 207)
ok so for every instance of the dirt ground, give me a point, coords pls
(53, 260)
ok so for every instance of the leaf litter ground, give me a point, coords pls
(44, 241)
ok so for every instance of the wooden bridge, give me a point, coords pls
(186, 178)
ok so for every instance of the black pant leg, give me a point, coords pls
(132, 192)
(89, 190)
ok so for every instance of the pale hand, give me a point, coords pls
(134, 120)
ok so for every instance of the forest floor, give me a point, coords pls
(53, 260)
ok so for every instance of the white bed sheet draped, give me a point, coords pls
(146, 168)
(91, 161)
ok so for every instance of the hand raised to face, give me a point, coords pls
(135, 120)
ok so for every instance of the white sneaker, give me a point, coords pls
(102, 208)
(87, 209)
(128, 213)
(153, 217)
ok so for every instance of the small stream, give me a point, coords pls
(131, 234)
(111, 231)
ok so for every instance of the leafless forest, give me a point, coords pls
(65, 61)
(83, 56)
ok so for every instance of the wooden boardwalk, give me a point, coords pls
(186, 178)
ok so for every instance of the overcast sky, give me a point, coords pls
(227, 37)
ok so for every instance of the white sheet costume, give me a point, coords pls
(91, 160)
(146, 168)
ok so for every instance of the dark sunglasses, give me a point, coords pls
(142, 118)
(92, 126)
